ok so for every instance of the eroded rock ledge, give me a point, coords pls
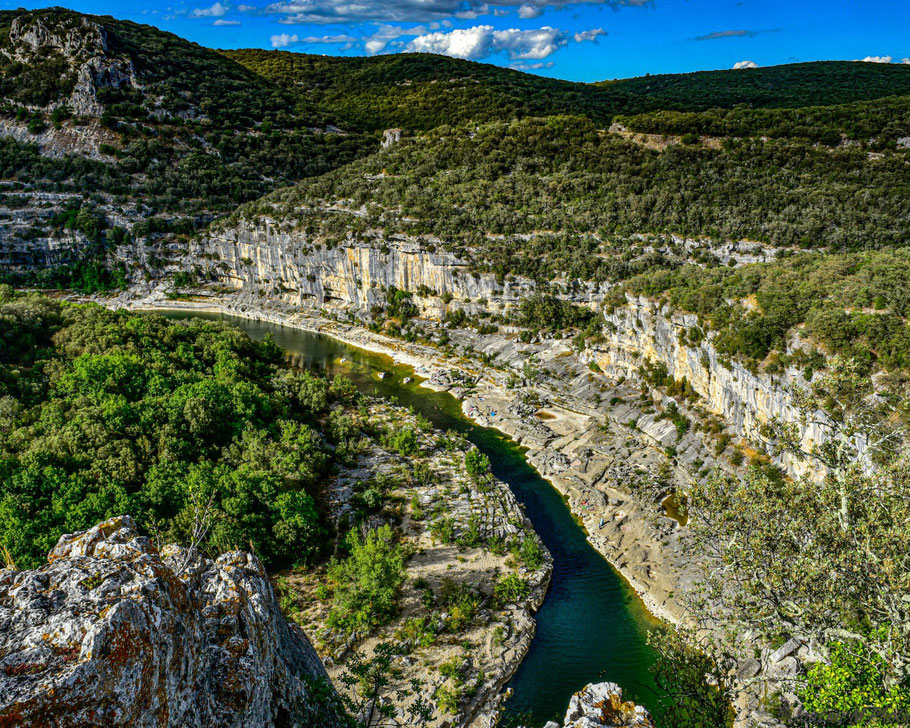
(112, 632)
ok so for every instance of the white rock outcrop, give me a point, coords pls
(112, 632)
(600, 705)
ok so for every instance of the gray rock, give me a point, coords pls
(786, 649)
(110, 632)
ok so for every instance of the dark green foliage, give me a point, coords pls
(488, 193)
(786, 86)
(543, 312)
(109, 413)
(421, 91)
(698, 689)
(854, 304)
(883, 120)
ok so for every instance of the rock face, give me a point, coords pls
(265, 262)
(83, 45)
(643, 330)
(600, 705)
(264, 259)
(111, 632)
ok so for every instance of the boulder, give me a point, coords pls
(600, 705)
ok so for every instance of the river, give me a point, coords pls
(592, 626)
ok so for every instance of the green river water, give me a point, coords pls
(592, 626)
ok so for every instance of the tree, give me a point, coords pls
(370, 683)
(778, 557)
(366, 584)
(477, 465)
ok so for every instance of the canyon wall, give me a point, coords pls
(264, 261)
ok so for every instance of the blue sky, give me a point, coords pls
(584, 41)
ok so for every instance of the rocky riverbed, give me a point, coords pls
(463, 536)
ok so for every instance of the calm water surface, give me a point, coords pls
(592, 626)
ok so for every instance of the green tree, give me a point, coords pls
(367, 582)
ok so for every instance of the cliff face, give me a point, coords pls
(263, 261)
(111, 632)
(644, 331)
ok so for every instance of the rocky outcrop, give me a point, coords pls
(646, 331)
(265, 259)
(83, 45)
(601, 705)
(112, 632)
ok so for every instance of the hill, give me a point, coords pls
(421, 91)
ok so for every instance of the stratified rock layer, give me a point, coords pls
(111, 632)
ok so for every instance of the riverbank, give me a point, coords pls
(586, 462)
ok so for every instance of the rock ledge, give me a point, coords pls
(112, 632)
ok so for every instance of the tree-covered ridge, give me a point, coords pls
(180, 424)
(884, 122)
(818, 83)
(562, 178)
(421, 91)
(193, 130)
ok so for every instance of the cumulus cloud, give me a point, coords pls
(283, 40)
(221, 22)
(592, 35)
(745, 64)
(354, 11)
(877, 59)
(529, 11)
(483, 40)
(215, 11)
(718, 34)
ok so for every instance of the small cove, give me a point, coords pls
(592, 626)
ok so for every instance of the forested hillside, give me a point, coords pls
(421, 91)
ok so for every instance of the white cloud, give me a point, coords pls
(905, 61)
(216, 11)
(529, 11)
(483, 40)
(745, 64)
(283, 40)
(592, 34)
(877, 59)
(403, 11)
(374, 46)
(246, 8)
(221, 22)
(523, 66)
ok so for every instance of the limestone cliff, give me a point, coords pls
(264, 261)
(112, 632)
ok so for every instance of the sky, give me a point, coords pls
(589, 40)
